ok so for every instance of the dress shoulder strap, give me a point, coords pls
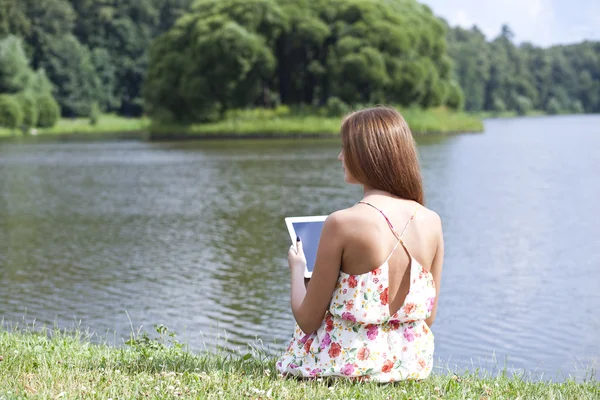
(386, 219)
(398, 236)
(414, 214)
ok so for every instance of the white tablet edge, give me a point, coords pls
(289, 223)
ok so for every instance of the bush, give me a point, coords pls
(28, 108)
(523, 105)
(499, 106)
(456, 97)
(11, 115)
(94, 113)
(336, 107)
(48, 111)
(553, 107)
(577, 107)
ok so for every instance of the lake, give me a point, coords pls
(191, 235)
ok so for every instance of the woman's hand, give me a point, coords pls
(296, 257)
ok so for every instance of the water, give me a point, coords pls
(191, 235)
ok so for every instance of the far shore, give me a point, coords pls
(244, 126)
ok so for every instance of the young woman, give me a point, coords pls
(367, 311)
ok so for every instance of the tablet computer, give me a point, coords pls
(309, 230)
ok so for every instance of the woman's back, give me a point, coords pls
(383, 228)
(375, 324)
(373, 294)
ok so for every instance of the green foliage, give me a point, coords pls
(48, 111)
(15, 72)
(11, 115)
(243, 53)
(40, 83)
(523, 105)
(74, 76)
(94, 113)
(29, 109)
(553, 107)
(498, 105)
(552, 79)
(13, 19)
(336, 107)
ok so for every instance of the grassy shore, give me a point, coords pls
(56, 364)
(253, 123)
(107, 124)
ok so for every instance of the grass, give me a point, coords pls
(507, 114)
(107, 124)
(422, 122)
(58, 364)
(253, 123)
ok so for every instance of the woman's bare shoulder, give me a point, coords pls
(430, 220)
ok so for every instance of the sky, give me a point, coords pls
(542, 22)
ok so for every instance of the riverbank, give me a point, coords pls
(68, 365)
(245, 124)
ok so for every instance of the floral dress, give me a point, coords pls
(358, 337)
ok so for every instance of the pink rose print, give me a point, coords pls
(348, 369)
(334, 350)
(349, 317)
(387, 366)
(408, 308)
(304, 339)
(363, 353)
(430, 303)
(409, 334)
(344, 291)
(350, 305)
(293, 366)
(372, 331)
(307, 345)
(326, 340)
(315, 372)
(384, 297)
(352, 282)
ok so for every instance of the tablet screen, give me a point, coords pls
(310, 233)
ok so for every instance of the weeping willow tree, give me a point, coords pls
(236, 53)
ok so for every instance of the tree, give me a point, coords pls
(15, 72)
(237, 53)
(71, 69)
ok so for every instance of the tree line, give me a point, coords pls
(499, 76)
(186, 60)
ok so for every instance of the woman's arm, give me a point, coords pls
(436, 271)
(309, 304)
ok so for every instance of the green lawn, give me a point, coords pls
(107, 123)
(254, 123)
(54, 364)
(420, 122)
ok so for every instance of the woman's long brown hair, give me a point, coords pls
(380, 151)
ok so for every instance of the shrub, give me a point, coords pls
(48, 111)
(29, 109)
(523, 105)
(11, 115)
(94, 113)
(336, 107)
(577, 107)
(498, 106)
(553, 107)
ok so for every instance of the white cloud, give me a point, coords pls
(461, 18)
(530, 20)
